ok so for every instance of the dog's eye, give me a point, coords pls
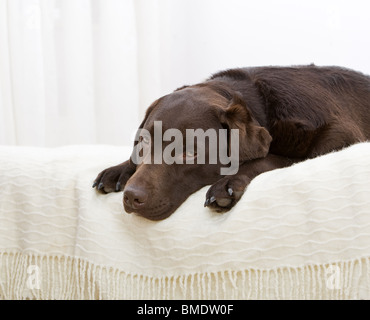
(189, 155)
(144, 139)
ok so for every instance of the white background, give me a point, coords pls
(201, 37)
(84, 71)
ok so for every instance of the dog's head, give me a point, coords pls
(185, 141)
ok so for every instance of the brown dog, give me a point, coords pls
(284, 115)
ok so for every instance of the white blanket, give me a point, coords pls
(298, 233)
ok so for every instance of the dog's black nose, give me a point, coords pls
(134, 197)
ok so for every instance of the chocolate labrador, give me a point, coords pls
(269, 117)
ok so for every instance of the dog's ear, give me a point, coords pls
(254, 140)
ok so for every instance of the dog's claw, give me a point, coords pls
(100, 186)
(230, 191)
(209, 201)
(118, 186)
(94, 184)
(206, 203)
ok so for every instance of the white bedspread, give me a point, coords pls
(298, 233)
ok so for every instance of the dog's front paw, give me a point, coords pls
(226, 192)
(114, 178)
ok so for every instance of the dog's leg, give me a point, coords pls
(227, 191)
(336, 137)
(114, 178)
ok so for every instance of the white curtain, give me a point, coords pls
(84, 71)
(68, 72)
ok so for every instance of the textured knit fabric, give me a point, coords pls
(297, 233)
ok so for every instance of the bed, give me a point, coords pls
(301, 232)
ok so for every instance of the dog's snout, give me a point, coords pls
(135, 197)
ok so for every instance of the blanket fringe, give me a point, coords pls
(30, 276)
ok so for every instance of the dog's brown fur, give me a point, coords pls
(284, 115)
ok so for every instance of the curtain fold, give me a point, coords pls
(68, 72)
(7, 121)
(84, 71)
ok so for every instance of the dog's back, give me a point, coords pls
(308, 110)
